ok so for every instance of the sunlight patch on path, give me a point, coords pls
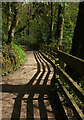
(24, 106)
(36, 106)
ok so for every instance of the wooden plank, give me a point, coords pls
(74, 62)
(79, 92)
(74, 106)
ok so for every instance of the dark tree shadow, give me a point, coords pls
(31, 89)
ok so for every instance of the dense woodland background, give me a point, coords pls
(35, 23)
(38, 23)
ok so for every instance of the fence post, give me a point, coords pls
(61, 47)
(48, 49)
(61, 63)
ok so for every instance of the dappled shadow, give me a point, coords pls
(38, 90)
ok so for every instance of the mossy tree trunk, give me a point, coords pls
(51, 21)
(60, 23)
(9, 15)
(28, 21)
(51, 25)
(13, 21)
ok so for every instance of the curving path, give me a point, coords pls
(28, 92)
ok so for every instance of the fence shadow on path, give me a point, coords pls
(34, 87)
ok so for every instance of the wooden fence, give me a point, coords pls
(61, 59)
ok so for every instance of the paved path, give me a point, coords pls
(28, 92)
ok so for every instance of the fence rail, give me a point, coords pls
(61, 58)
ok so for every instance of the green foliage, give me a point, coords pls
(18, 50)
(5, 73)
(16, 67)
(74, 96)
(36, 17)
(69, 24)
(13, 57)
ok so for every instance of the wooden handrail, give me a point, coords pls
(79, 92)
(75, 63)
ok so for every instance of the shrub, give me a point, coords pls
(13, 57)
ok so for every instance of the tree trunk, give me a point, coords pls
(51, 23)
(28, 21)
(13, 26)
(51, 20)
(28, 27)
(77, 42)
(21, 29)
(60, 23)
(9, 15)
(78, 38)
